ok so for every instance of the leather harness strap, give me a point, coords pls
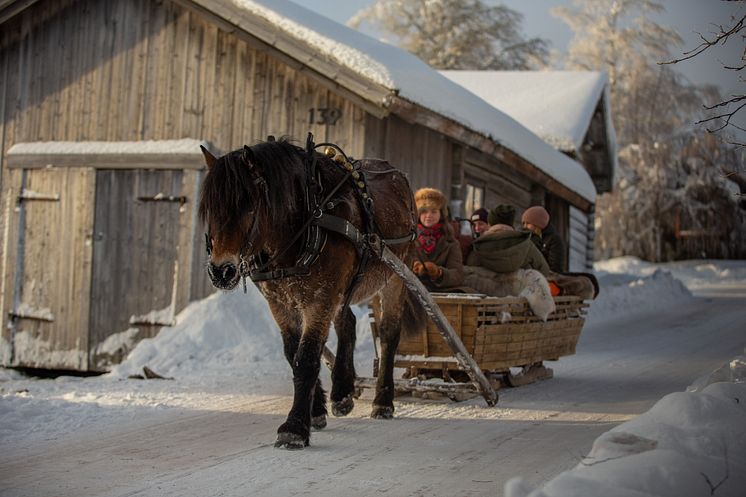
(319, 222)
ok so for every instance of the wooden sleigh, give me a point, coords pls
(499, 333)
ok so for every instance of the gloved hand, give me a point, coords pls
(418, 268)
(433, 270)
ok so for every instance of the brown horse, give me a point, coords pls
(265, 219)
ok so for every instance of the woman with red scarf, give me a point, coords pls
(439, 263)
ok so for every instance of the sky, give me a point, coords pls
(687, 17)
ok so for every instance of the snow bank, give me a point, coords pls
(688, 444)
(225, 330)
(622, 293)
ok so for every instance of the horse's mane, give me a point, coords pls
(229, 190)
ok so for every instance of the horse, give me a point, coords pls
(301, 224)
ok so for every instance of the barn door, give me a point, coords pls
(50, 281)
(135, 258)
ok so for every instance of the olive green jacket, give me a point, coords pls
(507, 251)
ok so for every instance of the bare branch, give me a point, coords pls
(726, 115)
(734, 99)
(720, 38)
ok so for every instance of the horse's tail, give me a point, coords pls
(414, 318)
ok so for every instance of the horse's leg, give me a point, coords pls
(294, 433)
(291, 340)
(389, 329)
(343, 373)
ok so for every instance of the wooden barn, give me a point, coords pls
(104, 104)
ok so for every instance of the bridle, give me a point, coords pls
(318, 220)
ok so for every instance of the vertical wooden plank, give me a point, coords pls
(207, 72)
(185, 237)
(191, 122)
(259, 98)
(241, 108)
(221, 93)
(11, 189)
(155, 89)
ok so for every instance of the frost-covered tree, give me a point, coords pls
(457, 34)
(689, 209)
(658, 188)
(617, 36)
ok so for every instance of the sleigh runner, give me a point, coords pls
(499, 333)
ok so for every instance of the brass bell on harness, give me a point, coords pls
(339, 158)
(330, 152)
(348, 166)
(356, 175)
(361, 185)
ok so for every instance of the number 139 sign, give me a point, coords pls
(324, 115)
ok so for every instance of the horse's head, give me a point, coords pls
(231, 196)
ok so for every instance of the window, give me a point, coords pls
(474, 198)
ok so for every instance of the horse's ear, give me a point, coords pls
(248, 156)
(209, 158)
(271, 138)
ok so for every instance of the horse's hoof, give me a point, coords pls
(291, 441)
(382, 412)
(318, 422)
(343, 407)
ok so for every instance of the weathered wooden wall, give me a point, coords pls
(131, 70)
(152, 70)
(425, 155)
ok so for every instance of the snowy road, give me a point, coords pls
(433, 448)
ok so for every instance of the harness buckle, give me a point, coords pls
(375, 243)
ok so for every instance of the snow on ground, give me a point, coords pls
(226, 349)
(688, 443)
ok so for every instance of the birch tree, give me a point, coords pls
(457, 34)
(657, 186)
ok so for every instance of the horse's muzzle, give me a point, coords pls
(224, 276)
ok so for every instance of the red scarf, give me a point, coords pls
(428, 237)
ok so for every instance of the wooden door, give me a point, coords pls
(48, 280)
(135, 258)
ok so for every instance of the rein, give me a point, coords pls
(318, 222)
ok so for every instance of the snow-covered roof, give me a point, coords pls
(556, 105)
(386, 72)
(188, 146)
(151, 154)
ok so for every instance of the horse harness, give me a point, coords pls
(367, 243)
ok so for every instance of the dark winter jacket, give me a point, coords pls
(506, 251)
(552, 248)
(447, 255)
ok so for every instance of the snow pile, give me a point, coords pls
(700, 274)
(622, 292)
(225, 330)
(688, 443)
